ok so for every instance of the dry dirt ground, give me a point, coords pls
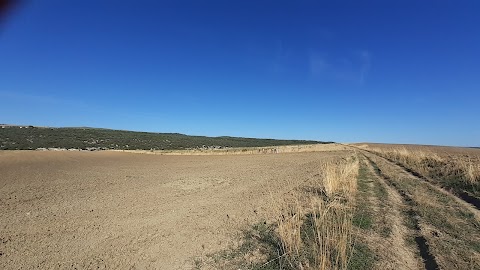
(117, 210)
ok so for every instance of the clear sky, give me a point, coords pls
(377, 71)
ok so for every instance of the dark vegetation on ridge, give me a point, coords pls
(29, 137)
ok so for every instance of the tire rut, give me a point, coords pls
(428, 258)
(464, 199)
(462, 195)
(398, 255)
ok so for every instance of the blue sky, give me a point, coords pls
(377, 71)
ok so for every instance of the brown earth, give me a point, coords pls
(114, 210)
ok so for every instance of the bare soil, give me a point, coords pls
(114, 210)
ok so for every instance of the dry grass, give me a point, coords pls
(432, 164)
(339, 179)
(316, 231)
(471, 171)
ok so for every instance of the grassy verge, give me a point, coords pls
(381, 194)
(383, 226)
(363, 217)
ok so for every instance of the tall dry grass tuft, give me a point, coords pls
(471, 171)
(339, 178)
(332, 224)
(316, 230)
(289, 229)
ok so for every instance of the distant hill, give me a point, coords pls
(14, 137)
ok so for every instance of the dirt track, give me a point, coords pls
(123, 210)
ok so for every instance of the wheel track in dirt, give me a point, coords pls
(469, 202)
(463, 196)
(398, 255)
(429, 260)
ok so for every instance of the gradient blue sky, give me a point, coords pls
(378, 71)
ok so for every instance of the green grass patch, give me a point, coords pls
(362, 220)
(380, 192)
(259, 248)
(363, 217)
(362, 258)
